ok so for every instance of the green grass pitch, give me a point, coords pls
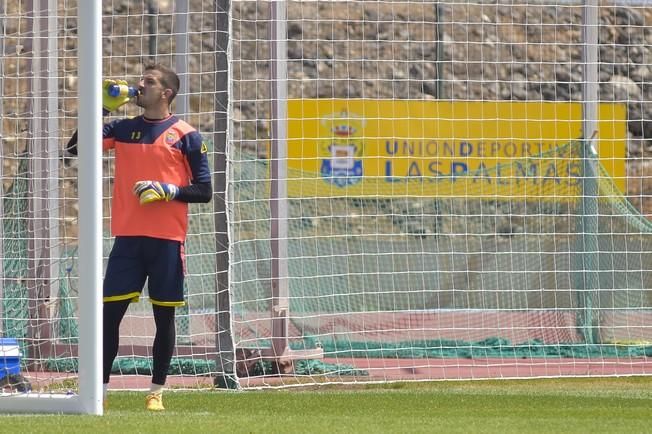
(602, 405)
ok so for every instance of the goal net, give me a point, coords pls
(405, 190)
(461, 192)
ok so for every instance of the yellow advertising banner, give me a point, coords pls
(340, 147)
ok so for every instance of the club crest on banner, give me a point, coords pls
(341, 148)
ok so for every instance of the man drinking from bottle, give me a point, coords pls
(160, 166)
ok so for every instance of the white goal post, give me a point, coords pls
(89, 397)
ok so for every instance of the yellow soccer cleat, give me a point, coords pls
(154, 402)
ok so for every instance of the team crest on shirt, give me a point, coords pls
(171, 137)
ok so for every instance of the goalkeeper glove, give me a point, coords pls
(154, 191)
(112, 103)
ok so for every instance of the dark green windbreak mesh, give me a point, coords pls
(15, 298)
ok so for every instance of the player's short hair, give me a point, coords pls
(169, 78)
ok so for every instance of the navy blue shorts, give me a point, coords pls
(136, 259)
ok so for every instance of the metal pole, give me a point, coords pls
(278, 193)
(152, 10)
(181, 111)
(2, 177)
(439, 52)
(591, 67)
(588, 320)
(225, 357)
(181, 57)
(43, 176)
(89, 19)
(51, 136)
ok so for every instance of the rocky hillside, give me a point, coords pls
(453, 51)
(364, 49)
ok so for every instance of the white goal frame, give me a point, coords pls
(89, 399)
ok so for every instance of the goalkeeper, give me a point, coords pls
(160, 166)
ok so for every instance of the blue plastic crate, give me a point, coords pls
(9, 357)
